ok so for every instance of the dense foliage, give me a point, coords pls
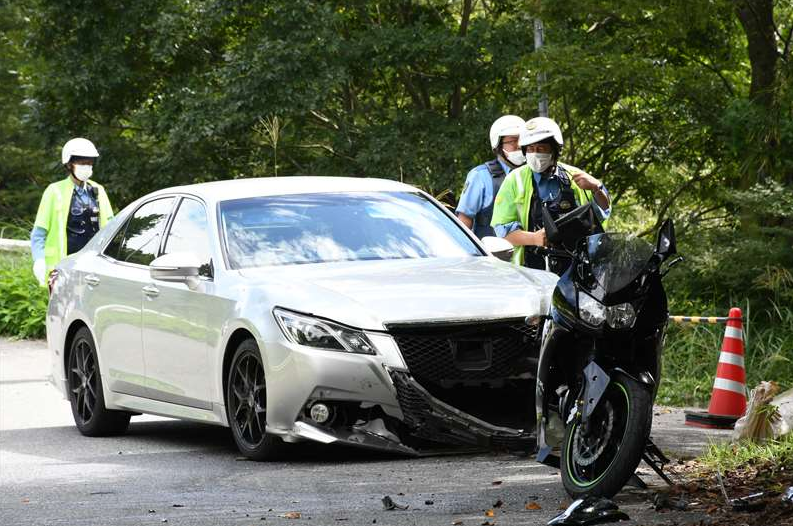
(684, 108)
(23, 303)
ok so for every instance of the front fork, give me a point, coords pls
(595, 381)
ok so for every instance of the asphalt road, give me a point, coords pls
(166, 471)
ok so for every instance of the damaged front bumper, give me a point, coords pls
(427, 424)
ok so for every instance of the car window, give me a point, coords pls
(189, 232)
(115, 244)
(141, 240)
(315, 228)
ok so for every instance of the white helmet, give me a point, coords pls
(78, 147)
(506, 125)
(538, 129)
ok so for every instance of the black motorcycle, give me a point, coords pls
(600, 356)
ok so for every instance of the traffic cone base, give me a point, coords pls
(728, 399)
(706, 420)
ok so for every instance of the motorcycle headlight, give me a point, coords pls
(621, 316)
(322, 334)
(590, 310)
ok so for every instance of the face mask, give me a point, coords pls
(83, 171)
(516, 158)
(539, 162)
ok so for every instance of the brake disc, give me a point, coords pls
(583, 455)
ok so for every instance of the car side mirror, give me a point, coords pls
(498, 247)
(176, 267)
(666, 245)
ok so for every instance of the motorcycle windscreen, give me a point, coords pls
(617, 259)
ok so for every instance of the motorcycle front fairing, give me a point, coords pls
(590, 333)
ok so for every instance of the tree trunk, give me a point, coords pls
(757, 19)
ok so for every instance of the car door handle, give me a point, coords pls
(151, 291)
(92, 280)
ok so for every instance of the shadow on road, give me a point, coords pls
(168, 436)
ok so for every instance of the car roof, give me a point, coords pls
(265, 186)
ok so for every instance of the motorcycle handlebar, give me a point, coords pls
(547, 251)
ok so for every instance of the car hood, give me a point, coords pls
(372, 294)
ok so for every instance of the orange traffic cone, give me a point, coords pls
(728, 399)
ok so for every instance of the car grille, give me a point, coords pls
(448, 354)
(432, 425)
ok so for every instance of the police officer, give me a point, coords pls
(543, 181)
(475, 208)
(71, 211)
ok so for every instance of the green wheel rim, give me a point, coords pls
(570, 473)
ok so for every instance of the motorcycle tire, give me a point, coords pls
(601, 462)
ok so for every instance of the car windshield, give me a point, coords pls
(317, 228)
(617, 259)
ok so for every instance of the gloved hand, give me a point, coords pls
(40, 271)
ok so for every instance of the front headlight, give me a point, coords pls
(321, 334)
(590, 310)
(621, 316)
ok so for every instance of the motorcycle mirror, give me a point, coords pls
(667, 245)
(551, 230)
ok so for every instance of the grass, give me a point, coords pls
(769, 458)
(23, 303)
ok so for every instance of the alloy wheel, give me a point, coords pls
(82, 379)
(248, 400)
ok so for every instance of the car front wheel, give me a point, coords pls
(246, 404)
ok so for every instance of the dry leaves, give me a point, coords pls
(533, 506)
(290, 515)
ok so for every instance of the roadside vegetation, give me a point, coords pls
(23, 303)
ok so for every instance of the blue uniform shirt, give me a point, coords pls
(478, 191)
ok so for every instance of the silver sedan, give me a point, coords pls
(344, 310)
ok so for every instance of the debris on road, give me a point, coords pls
(389, 504)
(429, 502)
(490, 513)
(533, 506)
(498, 503)
(290, 515)
(497, 482)
(753, 502)
(787, 496)
(590, 510)
(664, 501)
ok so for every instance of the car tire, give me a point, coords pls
(87, 398)
(246, 405)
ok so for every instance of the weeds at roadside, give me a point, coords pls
(23, 303)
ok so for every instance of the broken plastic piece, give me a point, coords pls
(389, 504)
(590, 510)
(753, 502)
(663, 501)
(787, 496)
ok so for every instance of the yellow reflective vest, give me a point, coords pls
(53, 215)
(513, 201)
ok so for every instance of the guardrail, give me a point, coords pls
(14, 244)
(703, 319)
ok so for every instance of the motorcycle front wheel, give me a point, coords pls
(600, 461)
